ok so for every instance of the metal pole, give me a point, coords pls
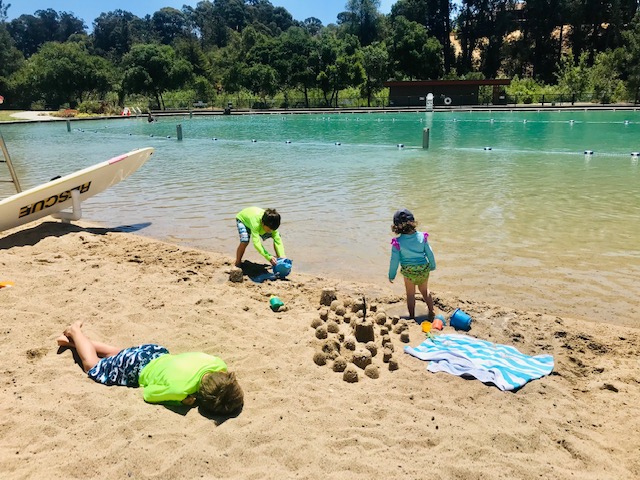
(425, 138)
(7, 158)
(179, 131)
(68, 125)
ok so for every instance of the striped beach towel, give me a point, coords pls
(462, 355)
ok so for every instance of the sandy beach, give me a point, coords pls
(301, 419)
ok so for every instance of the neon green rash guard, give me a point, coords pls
(252, 219)
(170, 378)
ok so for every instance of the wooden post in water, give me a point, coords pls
(7, 159)
(179, 131)
(68, 125)
(425, 138)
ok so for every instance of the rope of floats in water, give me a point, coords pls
(400, 146)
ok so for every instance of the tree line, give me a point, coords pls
(222, 48)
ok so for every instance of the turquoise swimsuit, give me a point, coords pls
(413, 252)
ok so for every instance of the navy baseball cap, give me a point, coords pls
(403, 216)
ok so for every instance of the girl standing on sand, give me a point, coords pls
(412, 252)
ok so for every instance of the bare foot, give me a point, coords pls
(75, 326)
(63, 341)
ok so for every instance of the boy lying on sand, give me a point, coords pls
(191, 379)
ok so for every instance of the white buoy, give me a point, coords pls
(487, 148)
(288, 141)
(588, 152)
(635, 154)
(524, 121)
(214, 139)
(253, 140)
(492, 120)
(571, 121)
(400, 145)
(338, 143)
(626, 122)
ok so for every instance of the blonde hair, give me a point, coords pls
(220, 393)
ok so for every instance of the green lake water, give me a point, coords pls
(517, 213)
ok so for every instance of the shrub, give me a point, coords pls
(66, 113)
(91, 106)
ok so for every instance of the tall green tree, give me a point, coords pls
(435, 15)
(312, 25)
(29, 32)
(208, 24)
(62, 73)
(573, 78)
(291, 55)
(375, 60)
(3, 11)
(631, 56)
(336, 63)
(275, 19)
(153, 69)
(482, 26)
(544, 36)
(10, 57)
(233, 12)
(170, 24)
(363, 20)
(261, 80)
(115, 32)
(414, 54)
(190, 50)
(605, 78)
(597, 25)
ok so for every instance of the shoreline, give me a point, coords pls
(131, 289)
(45, 116)
(606, 296)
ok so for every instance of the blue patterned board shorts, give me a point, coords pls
(246, 234)
(416, 274)
(124, 368)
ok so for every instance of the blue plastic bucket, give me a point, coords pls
(460, 320)
(282, 268)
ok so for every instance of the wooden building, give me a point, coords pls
(445, 92)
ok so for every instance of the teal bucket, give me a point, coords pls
(460, 320)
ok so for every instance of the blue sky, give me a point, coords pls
(89, 10)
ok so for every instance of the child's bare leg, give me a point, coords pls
(411, 297)
(83, 346)
(426, 295)
(240, 253)
(102, 349)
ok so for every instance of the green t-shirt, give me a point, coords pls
(252, 219)
(170, 378)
